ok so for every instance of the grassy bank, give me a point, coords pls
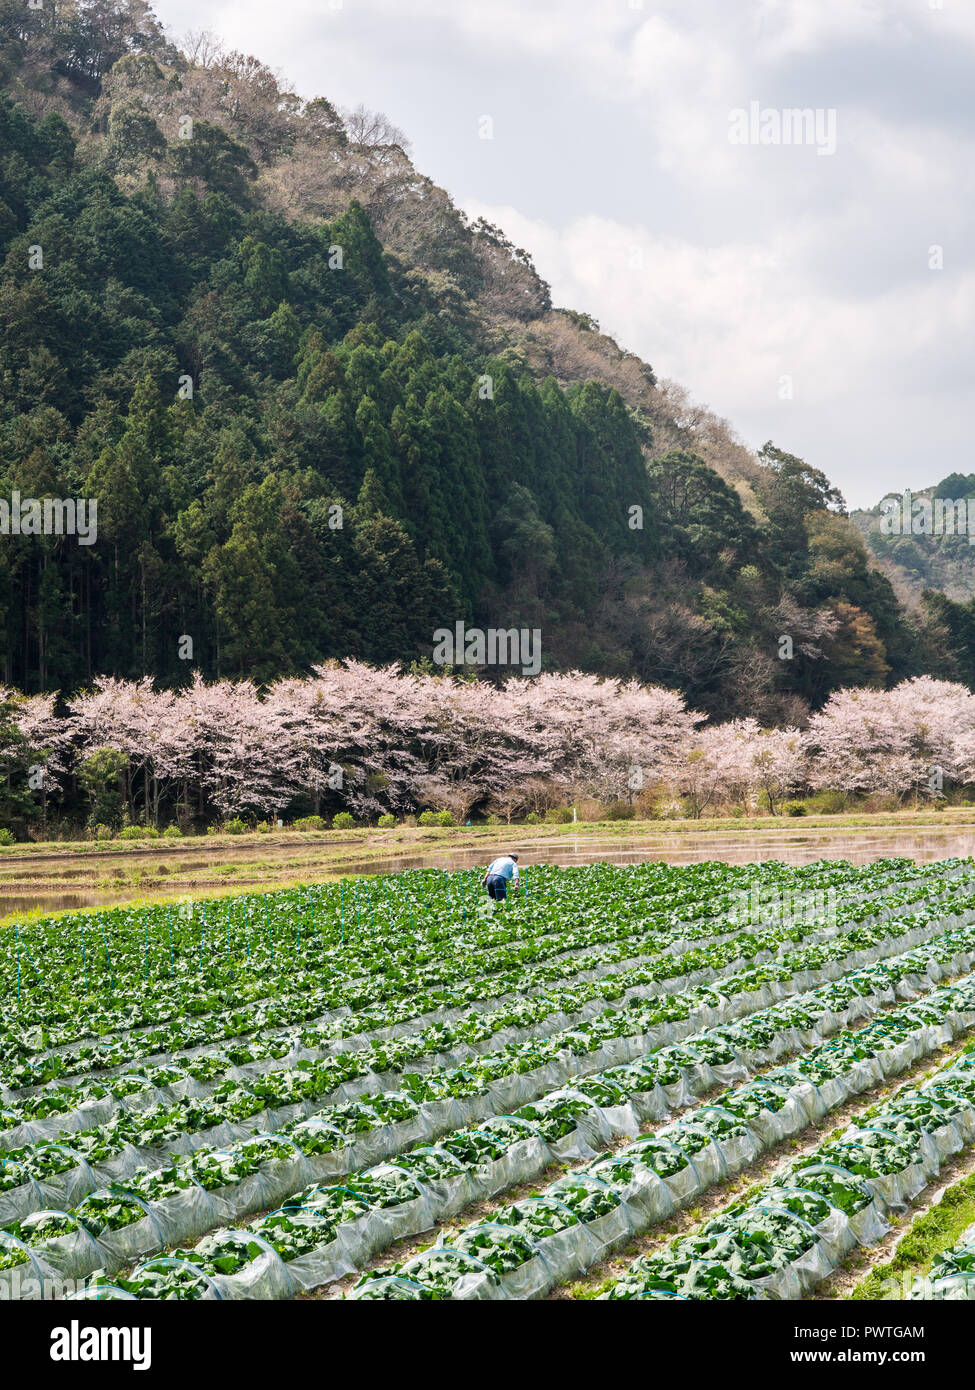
(936, 1230)
(408, 836)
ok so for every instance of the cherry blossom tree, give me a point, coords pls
(474, 745)
(714, 764)
(246, 758)
(777, 761)
(145, 724)
(47, 735)
(892, 741)
(352, 730)
(596, 733)
(380, 738)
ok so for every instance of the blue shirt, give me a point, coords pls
(504, 868)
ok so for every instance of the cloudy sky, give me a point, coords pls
(791, 290)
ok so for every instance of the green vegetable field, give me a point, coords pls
(389, 1089)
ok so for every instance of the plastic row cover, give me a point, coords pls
(644, 1201)
(74, 1254)
(878, 1195)
(194, 1211)
(298, 1051)
(16, 1203)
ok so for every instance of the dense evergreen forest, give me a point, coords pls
(324, 415)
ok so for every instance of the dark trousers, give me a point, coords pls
(497, 887)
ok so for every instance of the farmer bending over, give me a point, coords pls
(498, 876)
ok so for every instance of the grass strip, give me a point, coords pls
(935, 1230)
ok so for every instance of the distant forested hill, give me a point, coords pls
(918, 562)
(324, 415)
(931, 561)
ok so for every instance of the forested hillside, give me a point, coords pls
(923, 556)
(323, 415)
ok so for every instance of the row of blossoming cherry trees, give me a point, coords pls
(374, 740)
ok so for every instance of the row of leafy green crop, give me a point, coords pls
(524, 1248)
(700, 1058)
(305, 1001)
(218, 1092)
(415, 920)
(792, 1232)
(935, 1259)
(704, 1146)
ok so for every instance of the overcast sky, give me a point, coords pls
(743, 270)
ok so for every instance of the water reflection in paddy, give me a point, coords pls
(801, 847)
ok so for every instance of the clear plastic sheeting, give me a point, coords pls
(324, 1147)
(676, 1172)
(898, 1190)
(282, 1170)
(18, 1202)
(578, 1137)
(865, 1219)
(616, 1048)
(526, 1152)
(804, 1271)
(952, 1274)
(392, 1194)
(770, 1122)
(255, 1269)
(195, 1047)
(741, 1145)
(399, 1199)
(561, 1237)
(170, 1278)
(700, 1148)
(447, 1183)
(499, 1247)
(323, 1254)
(123, 1244)
(65, 1188)
(21, 1275)
(676, 1168)
(465, 1278)
(604, 1215)
(963, 1117)
(953, 1288)
(70, 1254)
(807, 1093)
(833, 1232)
(641, 1189)
(185, 1214)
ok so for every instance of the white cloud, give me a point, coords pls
(786, 27)
(729, 320)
